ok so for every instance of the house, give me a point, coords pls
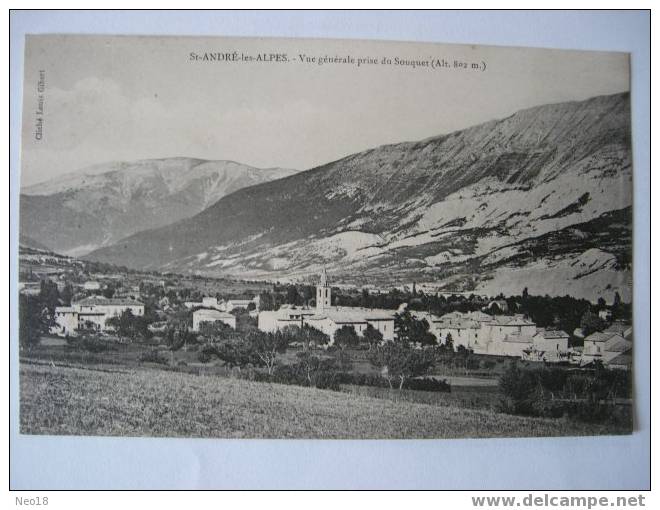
(462, 329)
(466, 329)
(605, 314)
(92, 285)
(233, 304)
(29, 288)
(92, 313)
(622, 362)
(604, 347)
(335, 318)
(623, 329)
(288, 315)
(509, 335)
(211, 315)
(549, 345)
(206, 302)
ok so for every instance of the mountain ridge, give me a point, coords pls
(99, 205)
(427, 210)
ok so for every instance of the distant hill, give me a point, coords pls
(28, 242)
(541, 199)
(100, 205)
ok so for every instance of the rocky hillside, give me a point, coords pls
(541, 199)
(100, 205)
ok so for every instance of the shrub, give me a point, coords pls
(487, 364)
(427, 384)
(153, 357)
(583, 395)
(207, 353)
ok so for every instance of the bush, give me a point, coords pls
(583, 395)
(206, 353)
(153, 357)
(90, 343)
(427, 384)
(487, 364)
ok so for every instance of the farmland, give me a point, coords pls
(147, 401)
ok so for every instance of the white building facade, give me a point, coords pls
(92, 313)
(328, 318)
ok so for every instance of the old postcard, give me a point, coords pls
(281, 238)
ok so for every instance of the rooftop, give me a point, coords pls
(623, 359)
(512, 320)
(103, 301)
(212, 312)
(353, 315)
(552, 333)
(620, 328)
(599, 336)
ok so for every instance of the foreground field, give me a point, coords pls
(148, 402)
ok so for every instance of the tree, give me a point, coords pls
(307, 294)
(411, 330)
(129, 325)
(465, 357)
(309, 363)
(67, 294)
(234, 354)
(365, 299)
(591, 323)
(518, 389)
(265, 347)
(307, 335)
(399, 361)
(292, 296)
(449, 342)
(32, 321)
(49, 295)
(617, 306)
(372, 336)
(109, 291)
(346, 337)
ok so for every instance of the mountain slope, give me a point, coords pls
(103, 204)
(458, 208)
(28, 242)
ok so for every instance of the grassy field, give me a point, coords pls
(150, 402)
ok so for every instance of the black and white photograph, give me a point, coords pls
(276, 238)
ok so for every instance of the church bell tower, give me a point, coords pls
(323, 293)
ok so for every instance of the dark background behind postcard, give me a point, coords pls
(560, 463)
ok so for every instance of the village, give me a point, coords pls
(96, 303)
(534, 356)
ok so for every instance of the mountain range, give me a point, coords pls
(541, 199)
(101, 205)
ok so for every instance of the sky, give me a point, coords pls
(126, 98)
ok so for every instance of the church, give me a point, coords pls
(328, 318)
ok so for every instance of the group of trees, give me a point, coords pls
(130, 326)
(587, 394)
(35, 313)
(398, 360)
(409, 355)
(287, 294)
(256, 348)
